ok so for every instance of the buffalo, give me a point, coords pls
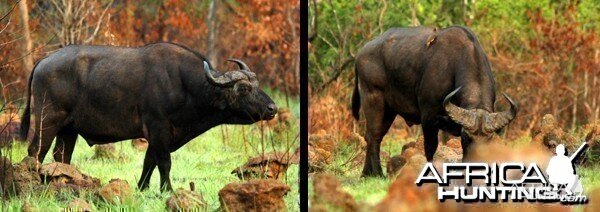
(164, 92)
(440, 79)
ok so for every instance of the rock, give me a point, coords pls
(105, 151)
(18, 179)
(79, 204)
(409, 152)
(394, 165)
(30, 164)
(420, 143)
(139, 144)
(115, 192)
(446, 154)
(26, 176)
(384, 156)
(489, 153)
(318, 208)
(454, 143)
(404, 195)
(184, 200)
(413, 164)
(408, 145)
(271, 165)
(254, 195)
(328, 193)
(498, 153)
(87, 182)
(63, 176)
(57, 169)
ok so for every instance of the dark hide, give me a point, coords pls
(160, 92)
(409, 72)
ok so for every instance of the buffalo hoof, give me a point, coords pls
(143, 186)
(373, 172)
(166, 188)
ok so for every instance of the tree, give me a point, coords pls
(74, 21)
(212, 32)
(27, 44)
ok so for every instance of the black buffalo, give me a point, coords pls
(164, 92)
(440, 79)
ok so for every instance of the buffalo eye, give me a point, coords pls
(244, 89)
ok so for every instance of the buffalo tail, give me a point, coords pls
(356, 98)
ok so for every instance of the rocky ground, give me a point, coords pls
(336, 182)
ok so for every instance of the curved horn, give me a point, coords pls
(466, 118)
(243, 67)
(240, 64)
(496, 121)
(225, 80)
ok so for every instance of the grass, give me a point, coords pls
(371, 191)
(207, 160)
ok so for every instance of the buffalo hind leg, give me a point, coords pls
(159, 139)
(45, 131)
(379, 120)
(65, 143)
(430, 134)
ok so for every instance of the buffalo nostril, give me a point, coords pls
(272, 108)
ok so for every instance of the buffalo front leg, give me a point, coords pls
(430, 134)
(164, 168)
(149, 165)
(159, 140)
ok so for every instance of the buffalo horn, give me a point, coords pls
(496, 121)
(224, 80)
(243, 68)
(466, 118)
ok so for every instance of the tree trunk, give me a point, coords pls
(27, 44)
(212, 32)
(414, 8)
(161, 22)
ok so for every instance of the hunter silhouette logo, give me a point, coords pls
(561, 170)
(496, 182)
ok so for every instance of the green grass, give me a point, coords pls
(206, 160)
(369, 191)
